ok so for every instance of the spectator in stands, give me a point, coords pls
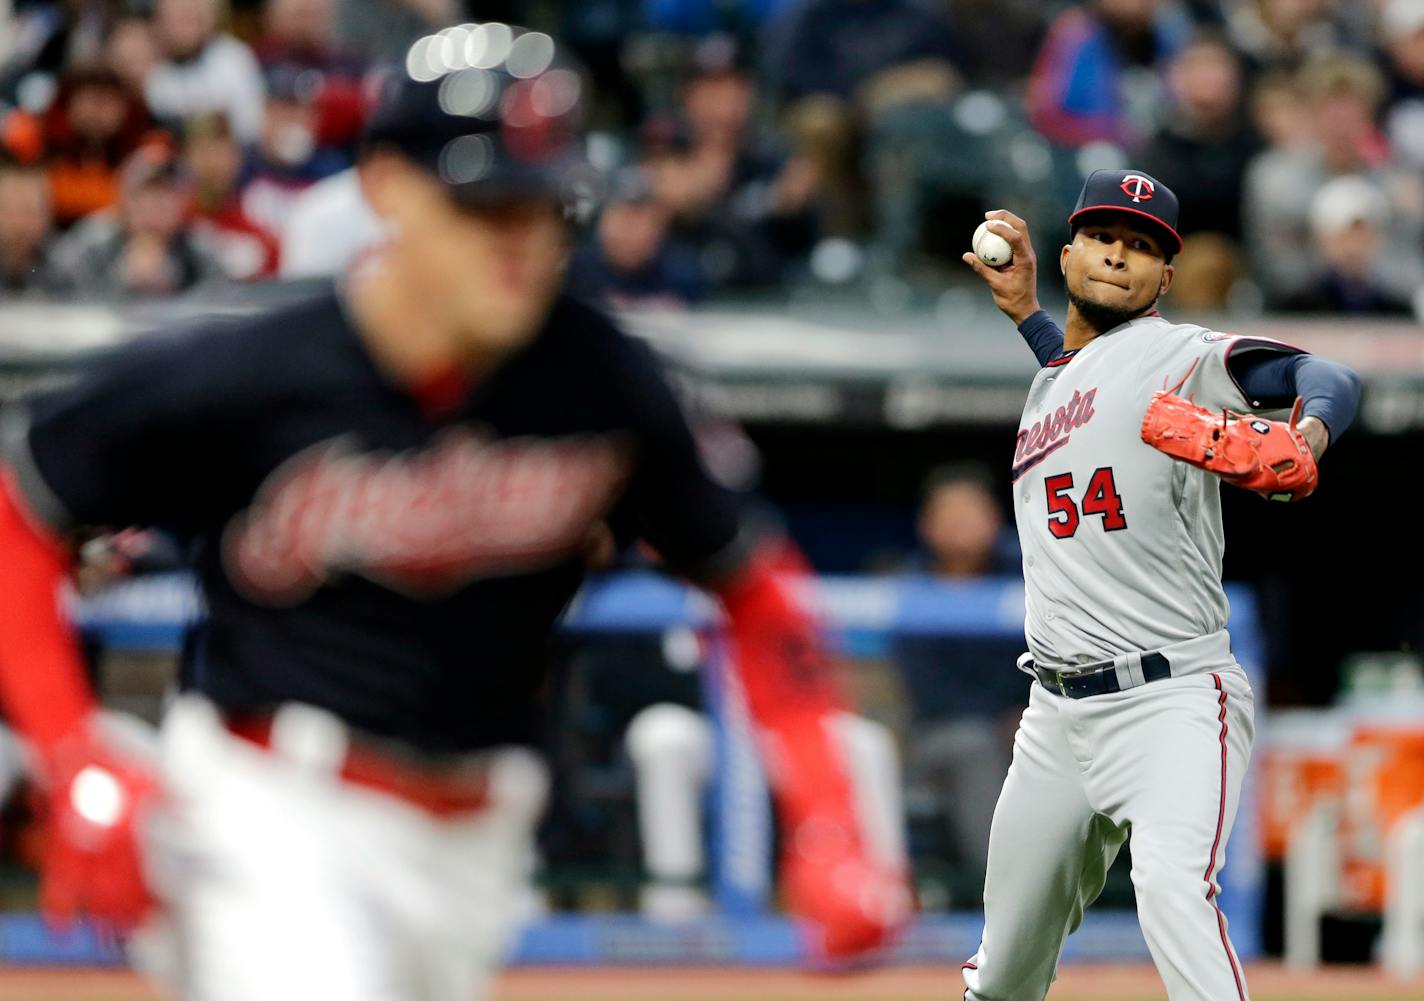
(1348, 221)
(1281, 35)
(48, 36)
(214, 158)
(961, 526)
(131, 51)
(1202, 151)
(834, 84)
(1402, 38)
(331, 224)
(302, 33)
(26, 232)
(1279, 112)
(146, 246)
(963, 709)
(1095, 79)
(632, 262)
(92, 127)
(287, 158)
(996, 39)
(203, 69)
(746, 207)
(1343, 94)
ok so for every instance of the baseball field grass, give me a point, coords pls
(1268, 982)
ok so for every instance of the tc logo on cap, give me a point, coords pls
(1138, 188)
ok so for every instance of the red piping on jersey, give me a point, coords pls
(1216, 843)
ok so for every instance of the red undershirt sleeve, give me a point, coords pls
(42, 681)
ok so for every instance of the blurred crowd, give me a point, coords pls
(148, 147)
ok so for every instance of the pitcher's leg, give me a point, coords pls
(1181, 815)
(1048, 854)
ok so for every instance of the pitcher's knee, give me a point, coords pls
(1167, 886)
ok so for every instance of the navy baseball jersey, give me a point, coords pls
(356, 553)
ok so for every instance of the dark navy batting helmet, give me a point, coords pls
(1134, 193)
(493, 111)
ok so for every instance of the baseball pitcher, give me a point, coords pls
(1140, 720)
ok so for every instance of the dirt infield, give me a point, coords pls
(1099, 983)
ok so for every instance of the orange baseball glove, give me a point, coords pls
(1269, 457)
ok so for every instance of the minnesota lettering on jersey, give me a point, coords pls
(1050, 434)
(422, 522)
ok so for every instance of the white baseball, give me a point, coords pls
(992, 248)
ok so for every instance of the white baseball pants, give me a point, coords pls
(1164, 761)
(285, 883)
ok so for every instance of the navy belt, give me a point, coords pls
(1099, 678)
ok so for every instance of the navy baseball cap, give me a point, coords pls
(1135, 193)
(493, 111)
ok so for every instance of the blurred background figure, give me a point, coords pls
(146, 245)
(131, 51)
(964, 694)
(832, 85)
(1202, 150)
(44, 38)
(93, 126)
(1281, 35)
(203, 69)
(743, 203)
(213, 156)
(632, 260)
(288, 157)
(302, 34)
(1204, 144)
(1279, 112)
(1097, 77)
(1349, 217)
(330, 225)
(1402, 40)
(26, 232)
(996, 40)
(1344, 94)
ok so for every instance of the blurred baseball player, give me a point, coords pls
(1141, 719)
(392, 488)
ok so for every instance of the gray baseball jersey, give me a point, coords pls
(1122, 545)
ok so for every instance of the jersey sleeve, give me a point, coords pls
(1212, 381)
(131, 443)
(703, 529)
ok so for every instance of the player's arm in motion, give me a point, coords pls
(1328, 391)
(829, 873)
(701, 530)
(96, 793)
